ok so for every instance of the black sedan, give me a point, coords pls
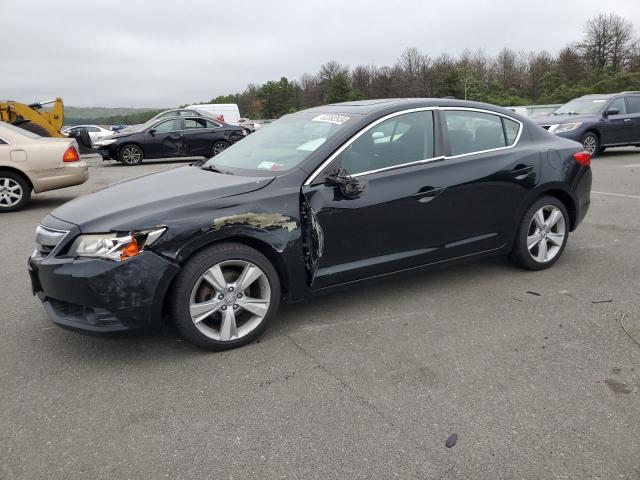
(319, 200)
(170, 137)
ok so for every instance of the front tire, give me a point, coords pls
(225, 296)
(15, 192)
(542, 234)
(218, 147)
(131, 155)
(591, 143)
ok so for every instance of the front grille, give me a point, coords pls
(47, 239)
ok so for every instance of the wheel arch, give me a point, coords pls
(261, 246)
(557, 190)
(120, 147)
(18, 172)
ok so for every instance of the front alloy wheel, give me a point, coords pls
(131, 155)
(225, 296)
(591, 144)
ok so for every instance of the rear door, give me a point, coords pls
(633, 104)
(199, 135)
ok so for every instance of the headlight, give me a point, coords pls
(104, 143)
(564, 127)
(113, 246)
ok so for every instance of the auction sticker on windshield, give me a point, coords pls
(331, 118)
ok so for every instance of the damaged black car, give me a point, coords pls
(320, 199)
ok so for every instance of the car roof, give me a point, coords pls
(365, 107)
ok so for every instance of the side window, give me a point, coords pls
(619, 104)
(634, 104)
(474, 131)
(93, 129)
(403, 139)
(2, 141)
(211, 124)
(511, 130)
(168, 126)
(193, 123)
(188, 113)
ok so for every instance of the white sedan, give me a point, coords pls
(95, 132)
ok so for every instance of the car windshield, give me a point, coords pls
(581, 106)
(283, 144)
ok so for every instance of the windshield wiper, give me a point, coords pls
(213, 168)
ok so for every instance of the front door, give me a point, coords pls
(165, 139)
(614, 127)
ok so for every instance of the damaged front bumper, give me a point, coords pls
(102, 296)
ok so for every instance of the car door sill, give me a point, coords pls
(423, 265)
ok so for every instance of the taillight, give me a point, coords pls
(583, 158)
(71, 155)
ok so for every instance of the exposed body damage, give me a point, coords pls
(313, 238)
(263, 221)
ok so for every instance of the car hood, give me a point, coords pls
(553, 119)
(155, 199)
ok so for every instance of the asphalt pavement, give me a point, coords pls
(532, 370)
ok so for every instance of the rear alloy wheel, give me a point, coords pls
(225, 296)
(218, 147)
(15, 192)
(591, 144)
(131, 155)
(542, 235)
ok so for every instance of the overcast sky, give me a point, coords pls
(163, 53)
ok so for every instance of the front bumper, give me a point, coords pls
(102, 296)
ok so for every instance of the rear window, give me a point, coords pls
(471, 131)
(634, 104)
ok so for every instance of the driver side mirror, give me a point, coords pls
(611, 111)
(152, 131)
(349, 186)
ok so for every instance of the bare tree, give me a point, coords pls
(608, 43)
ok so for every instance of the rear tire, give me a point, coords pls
(542, 234)
(15, 192)
(225, 296)
(130, 155)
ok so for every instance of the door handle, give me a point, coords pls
(426, 194)
(520, 172)
(627, 119)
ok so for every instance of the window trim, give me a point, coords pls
(366, 128)
(4, 141)
(180, 120)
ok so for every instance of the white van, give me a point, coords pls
(223, 112)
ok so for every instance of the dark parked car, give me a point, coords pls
(170, 137)
(320, 199)
(597, 121)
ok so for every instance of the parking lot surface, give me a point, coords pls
(532, 370)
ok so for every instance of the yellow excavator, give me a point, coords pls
(33, 117)
(45, 122)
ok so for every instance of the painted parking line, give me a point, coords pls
(624, 195)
